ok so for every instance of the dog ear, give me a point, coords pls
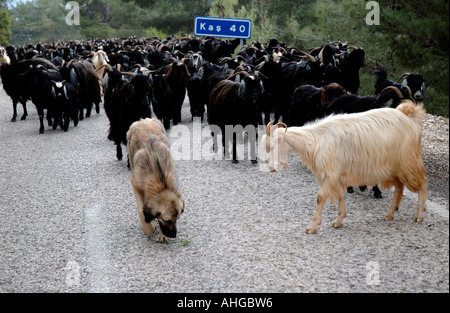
(148, 214)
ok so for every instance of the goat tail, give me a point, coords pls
(412, 110)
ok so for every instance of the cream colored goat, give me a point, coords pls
(4, 56)
(100, 59)
(381, 146)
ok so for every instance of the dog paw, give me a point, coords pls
(162, 239)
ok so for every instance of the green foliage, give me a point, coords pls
(5, 23)
(40, 21)
(153, 32)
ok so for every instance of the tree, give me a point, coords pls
(5, 23)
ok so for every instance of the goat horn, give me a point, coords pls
(268, 128)
(132, 75)
(258, 73)
(393, 88)
(405, 74)
(282, 125)
(246, 74)
(309, 56)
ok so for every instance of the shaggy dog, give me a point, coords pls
(153, 178)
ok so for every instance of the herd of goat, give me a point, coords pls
(134, 77)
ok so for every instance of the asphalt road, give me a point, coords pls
(68, 223)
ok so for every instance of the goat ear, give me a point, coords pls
(241, 91)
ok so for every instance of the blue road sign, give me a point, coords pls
(223, 27)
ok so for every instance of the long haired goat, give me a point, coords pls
(153, 178)
(381, 146)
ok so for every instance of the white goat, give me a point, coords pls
(100, 59)
(4, 56)
(380, 146)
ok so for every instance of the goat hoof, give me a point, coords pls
(378, 196)
(311, 230)
(13, 119)
(23, 118)
(235, 162)
(337, 224)
(418, 219)
(388, 218)
(350, 189)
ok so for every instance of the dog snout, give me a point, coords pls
(169, 232)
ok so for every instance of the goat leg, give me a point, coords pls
(235, 161)
(317, 219)
(377, 192)
(25, 112)
(423, 193)
(342, 213)
(398, 195)
(41, 121)
(119, 152)
(14, 111)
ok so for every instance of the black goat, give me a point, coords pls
(234, 105)
(349, 67)
(196, 95)
(413, 85)
(177, 75)
(82, 73)
(66, 107)
(14, 82)
(39, 84)
(163, 99)
(389, 97)
(294, 74)
(309, 103)
(129, 102)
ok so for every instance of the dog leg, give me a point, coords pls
(148, 228)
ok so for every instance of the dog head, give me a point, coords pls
(166, 207)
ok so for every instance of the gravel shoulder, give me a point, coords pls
(435, 151)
